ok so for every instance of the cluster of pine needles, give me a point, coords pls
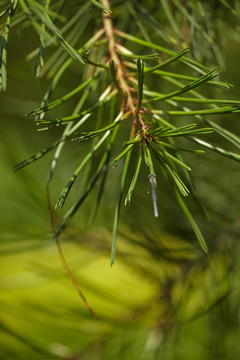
(119, 75)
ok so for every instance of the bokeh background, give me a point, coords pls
(163, 298)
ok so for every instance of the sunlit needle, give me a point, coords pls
(154, 195)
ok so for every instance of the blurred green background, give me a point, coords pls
(163, 298)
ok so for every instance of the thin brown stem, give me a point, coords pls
(71, 277)
(64, 262)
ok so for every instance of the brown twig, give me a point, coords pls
(120, 69)
(108, 26)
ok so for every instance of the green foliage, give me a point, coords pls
(140, 102)
(134, 98)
